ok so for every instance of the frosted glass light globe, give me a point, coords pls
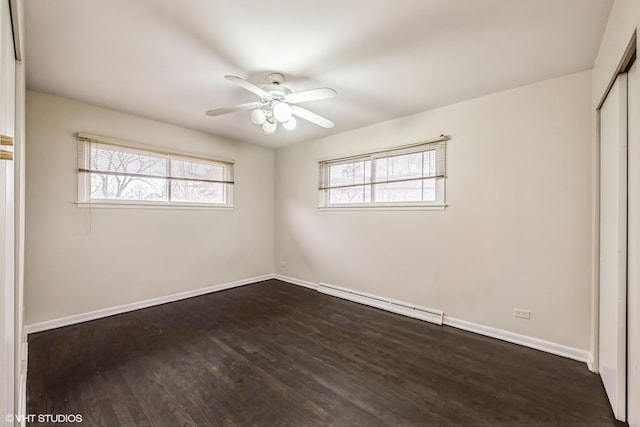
(270, 127)
(258, 117)
(290, 124)
(282, 112)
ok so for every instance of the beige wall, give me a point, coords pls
(624, 19)
(79, 260)
(516, 233)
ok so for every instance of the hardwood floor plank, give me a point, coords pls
(273, 354)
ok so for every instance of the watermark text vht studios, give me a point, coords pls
(44, 418)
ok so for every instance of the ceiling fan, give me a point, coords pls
(278, 104)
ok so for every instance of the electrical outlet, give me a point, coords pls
(283, 264)
(522, 314)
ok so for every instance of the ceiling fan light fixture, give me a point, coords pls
(290, 124)
(269, 128)
(282, 112)
(258, 117)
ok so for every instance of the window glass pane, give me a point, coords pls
(429, 191)
(115, 159)
(399, 167)
(198, 192)
(357, 194)
(357, 172)
(353, 173)
(123, 187)
(429, 163)
(404, 191)
(185, 168)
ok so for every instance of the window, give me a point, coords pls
(116, 173)
(406, 176)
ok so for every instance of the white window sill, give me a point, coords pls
(383, 208)
(134, 205)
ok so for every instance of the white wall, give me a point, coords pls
(130, 255)
(516, 233)
(624, 19)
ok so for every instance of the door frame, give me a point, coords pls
(14, 381)
(625, 62)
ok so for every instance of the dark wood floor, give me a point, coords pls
(273, 354)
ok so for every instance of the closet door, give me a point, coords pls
(613, 245)
(7, 285)
(633, 268)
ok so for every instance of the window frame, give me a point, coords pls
(440, 181)
(84, 177)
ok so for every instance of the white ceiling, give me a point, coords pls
(165, 59)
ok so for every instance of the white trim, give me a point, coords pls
(595, 248)
(138, 205)
(378, 207)
(106, 312)
(22, 390)
(413, 311)
(524, 340)
(295, 281)
(591, 363)
(22, 404)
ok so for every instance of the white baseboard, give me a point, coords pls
(431, 315)
(295, 281)
(394, 306)
(524, 340)
(105, 312)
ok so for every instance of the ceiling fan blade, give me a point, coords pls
(311, 95)
(241, 107)
(248, 86)
(311, 117)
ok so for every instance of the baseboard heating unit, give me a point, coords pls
(417, 312)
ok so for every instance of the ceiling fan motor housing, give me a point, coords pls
(276, 109)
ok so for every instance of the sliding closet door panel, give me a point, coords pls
(613, 244)
(633, 268)
(7, 296)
